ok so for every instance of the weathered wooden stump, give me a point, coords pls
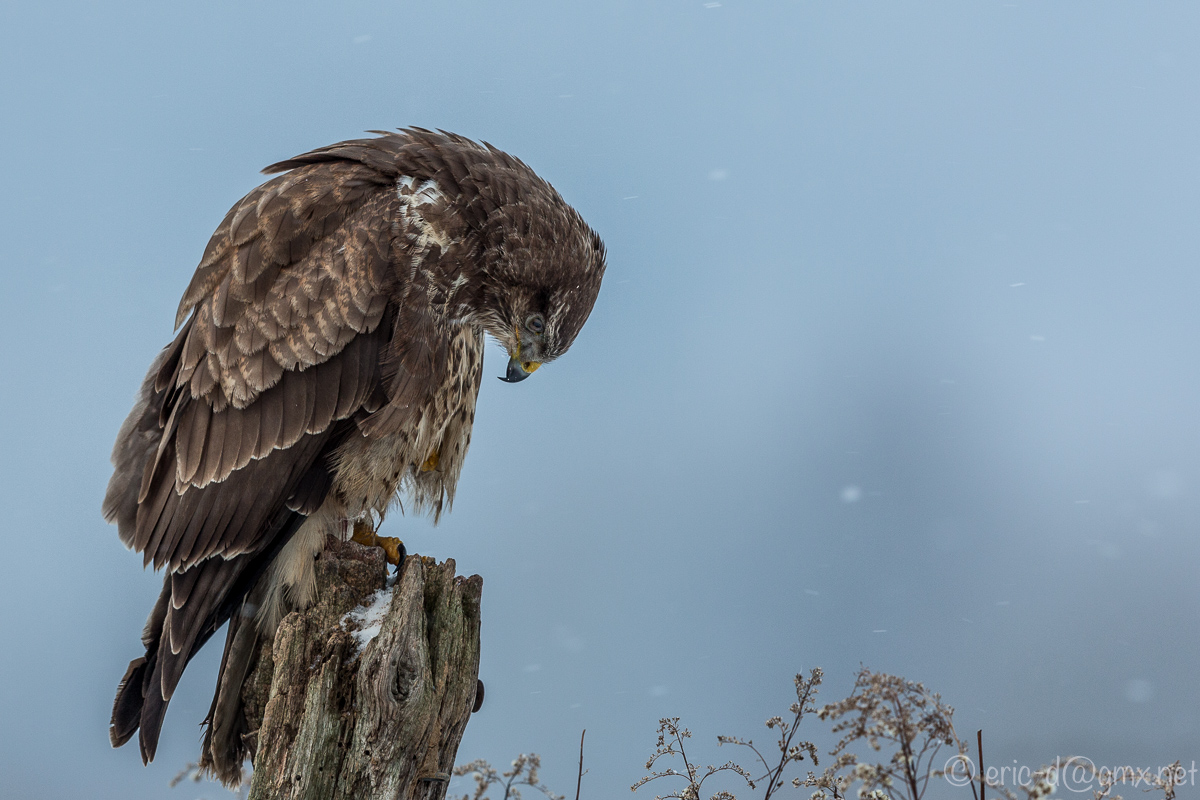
(367, 694)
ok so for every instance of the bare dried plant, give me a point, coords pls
(524, 773)
(887, 709)
(789, 752)
(901, 719)
(670, 744)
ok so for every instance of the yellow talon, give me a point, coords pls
(431, 462)
(392, 547)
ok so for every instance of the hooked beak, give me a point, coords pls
(519, 370)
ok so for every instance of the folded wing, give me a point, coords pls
(288, 318)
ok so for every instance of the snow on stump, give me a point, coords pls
(366, 694)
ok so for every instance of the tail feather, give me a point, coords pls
(145, 691)
(154, 709)
(224, 750)
(127, 708)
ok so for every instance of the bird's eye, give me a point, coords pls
(536, 323)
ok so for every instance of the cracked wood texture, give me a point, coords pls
(384, 723)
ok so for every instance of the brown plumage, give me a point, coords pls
(331, 343)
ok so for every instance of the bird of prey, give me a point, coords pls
(327, 361)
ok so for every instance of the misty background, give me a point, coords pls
(894, 363)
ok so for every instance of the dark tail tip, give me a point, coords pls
(139, 704)
(127, 708)
(154, 708)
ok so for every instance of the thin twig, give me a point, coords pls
(691, 770)
(982, 779)
(775, 781)
(910, 773)
(579, 780)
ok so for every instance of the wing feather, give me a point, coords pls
(182, 584)
(154, 514)
(244, 224)
(328, 385)
(197, 416)
(214, 445)
(284, 341)
(226, 305)
(204, 377)
(310, 402)
(251, 431)
(349, 393)
(184, 626)
(230, 515)
(197, 507)
(231, 452)
(261, 369)
(270, 406)
(293, 409)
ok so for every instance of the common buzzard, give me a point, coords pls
(328, 362)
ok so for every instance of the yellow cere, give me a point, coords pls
(530, 366)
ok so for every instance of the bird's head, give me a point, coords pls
(544, 266)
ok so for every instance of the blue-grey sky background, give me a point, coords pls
(894, 363)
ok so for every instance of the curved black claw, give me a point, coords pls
(478, 696)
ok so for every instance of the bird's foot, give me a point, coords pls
(392, 547)
(430, 463)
